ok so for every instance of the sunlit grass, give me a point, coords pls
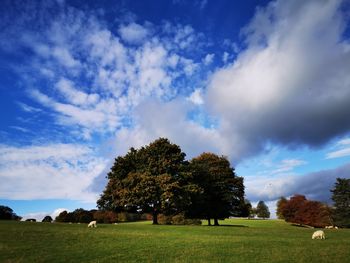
(237, 240)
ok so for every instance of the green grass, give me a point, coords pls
(237, 240)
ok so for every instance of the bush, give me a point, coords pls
(164, 220)
(178, 219)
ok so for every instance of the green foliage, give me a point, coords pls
(6, 213)
(77, 216)
(222, 192)
(341, 199)
(280, 206)
(47, 219)
(262, 211)
(148, 179)
(178, 219)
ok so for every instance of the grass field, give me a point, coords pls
(237, 240)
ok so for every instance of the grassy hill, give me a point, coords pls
(237, 240)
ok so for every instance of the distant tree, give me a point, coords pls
(341, 199)
(81, 216)
(148, 180)
(64, 217)
(246, 209)
(292, 206)
(301, 211)
(6, 213)
(313, 213)
(222, 192)
(262, 211)
(105, 216)
(47, 219)
(31, 220)
(280, 206)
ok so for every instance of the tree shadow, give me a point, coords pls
(228, 225)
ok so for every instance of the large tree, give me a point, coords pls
(222, 192)
(148, 179)
(6, 213)
(262, 211)
(341, 199)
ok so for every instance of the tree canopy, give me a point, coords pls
(341, 199)
(157, 179)
(148, 179)
(262, 211)
(280, 206)
(47, 219)
(301, 211)
(6, 213)
(222, 192)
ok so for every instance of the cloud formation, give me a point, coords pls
(290, 85)
(56, 171)
(315, 185)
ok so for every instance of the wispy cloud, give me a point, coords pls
(56, 171)
(287, 166)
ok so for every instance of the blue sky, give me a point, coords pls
(265, 83)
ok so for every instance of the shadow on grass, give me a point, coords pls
(227, 225)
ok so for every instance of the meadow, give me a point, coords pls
(236, 240)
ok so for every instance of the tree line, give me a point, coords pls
(299, 210)
(157, 179)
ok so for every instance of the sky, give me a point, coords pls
(265, 83)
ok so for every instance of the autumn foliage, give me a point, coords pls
(301, 211)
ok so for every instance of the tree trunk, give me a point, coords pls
(155, 217)
(216, 222)
(209, 224)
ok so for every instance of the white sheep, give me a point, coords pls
(319, 234)
(92, 224)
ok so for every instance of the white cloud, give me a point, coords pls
(225, 57)
(315, 185)
(289, 85)
(75, 96)
(287, 165)
(133, 33)
(196, 97)
(56, 171)
(155, 119)
(344, 141)
(208, 59)
(65, 57)
(339, 153)
(39, 216)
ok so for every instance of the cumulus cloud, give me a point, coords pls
(290, 85)
(133, 33)
(56, 171)
(196, 97)
(154, 119)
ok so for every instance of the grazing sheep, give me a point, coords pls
(335, 227)
(328, 227)
(92, 224)
(319, 234)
